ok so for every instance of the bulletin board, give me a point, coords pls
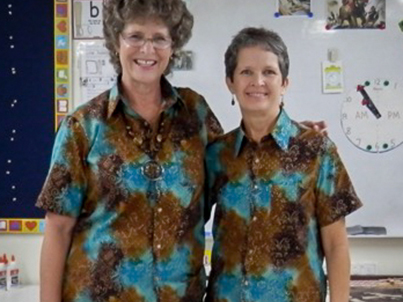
(30, 76)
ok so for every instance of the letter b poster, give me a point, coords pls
(87, 15)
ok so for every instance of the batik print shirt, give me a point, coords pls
(272, 198)
(137, 195)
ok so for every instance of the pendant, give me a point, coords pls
(152, 170)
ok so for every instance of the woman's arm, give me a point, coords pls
(335, 245)
(55, 246)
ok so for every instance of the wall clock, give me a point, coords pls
(372, 115)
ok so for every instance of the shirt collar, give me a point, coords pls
(282, 133)
(169, 93)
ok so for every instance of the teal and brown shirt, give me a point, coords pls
(137, 194)
(271, 199)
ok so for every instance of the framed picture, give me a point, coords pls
(183, 60)
(356, 14)
(87, 16)
(293, 8)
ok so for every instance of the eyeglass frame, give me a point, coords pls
(141, 42)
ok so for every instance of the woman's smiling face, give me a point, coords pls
(257, 82)
(146, 63)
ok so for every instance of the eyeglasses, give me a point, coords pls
(136, 40)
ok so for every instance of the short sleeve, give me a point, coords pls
(336, 197)
(65, 184)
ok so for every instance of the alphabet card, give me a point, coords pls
(22, 226)
(87, 17)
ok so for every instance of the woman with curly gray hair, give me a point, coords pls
(124, 193)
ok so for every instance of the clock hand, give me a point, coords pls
(368, 102)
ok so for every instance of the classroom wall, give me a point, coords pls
(385, 252)
(364, 54)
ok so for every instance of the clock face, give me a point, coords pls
(333, 78)
(372, 116)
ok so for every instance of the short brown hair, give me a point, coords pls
(252, 36)
(173, 13)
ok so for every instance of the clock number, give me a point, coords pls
(348, 130)
(377, 81)
(392, 143)
(358, 141)
(344, 116)
(377, 146)
(349, 99)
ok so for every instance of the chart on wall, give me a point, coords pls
(95, 73)
(27, 110)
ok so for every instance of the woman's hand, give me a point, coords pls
(320, 126)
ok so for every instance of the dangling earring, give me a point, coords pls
(232, 101)
(282, 102)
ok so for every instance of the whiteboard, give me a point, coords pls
(365, 54)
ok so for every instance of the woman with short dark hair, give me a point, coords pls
(281, 190)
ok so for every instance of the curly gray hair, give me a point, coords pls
(173, 13)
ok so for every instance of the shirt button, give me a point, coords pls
(159, 138)
(159, 210)
(250, 252)
(122, 206)
(255, 186)
(138, 140)
(257, 160)
(246, 283)
(254, 218)
(158, 246)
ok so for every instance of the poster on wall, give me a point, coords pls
(95, 72)
(293, 8)
(87, 19)
(183, 60)
(356, 14)
(332, 77)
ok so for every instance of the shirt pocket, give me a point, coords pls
(184, 174)
(293, 204)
